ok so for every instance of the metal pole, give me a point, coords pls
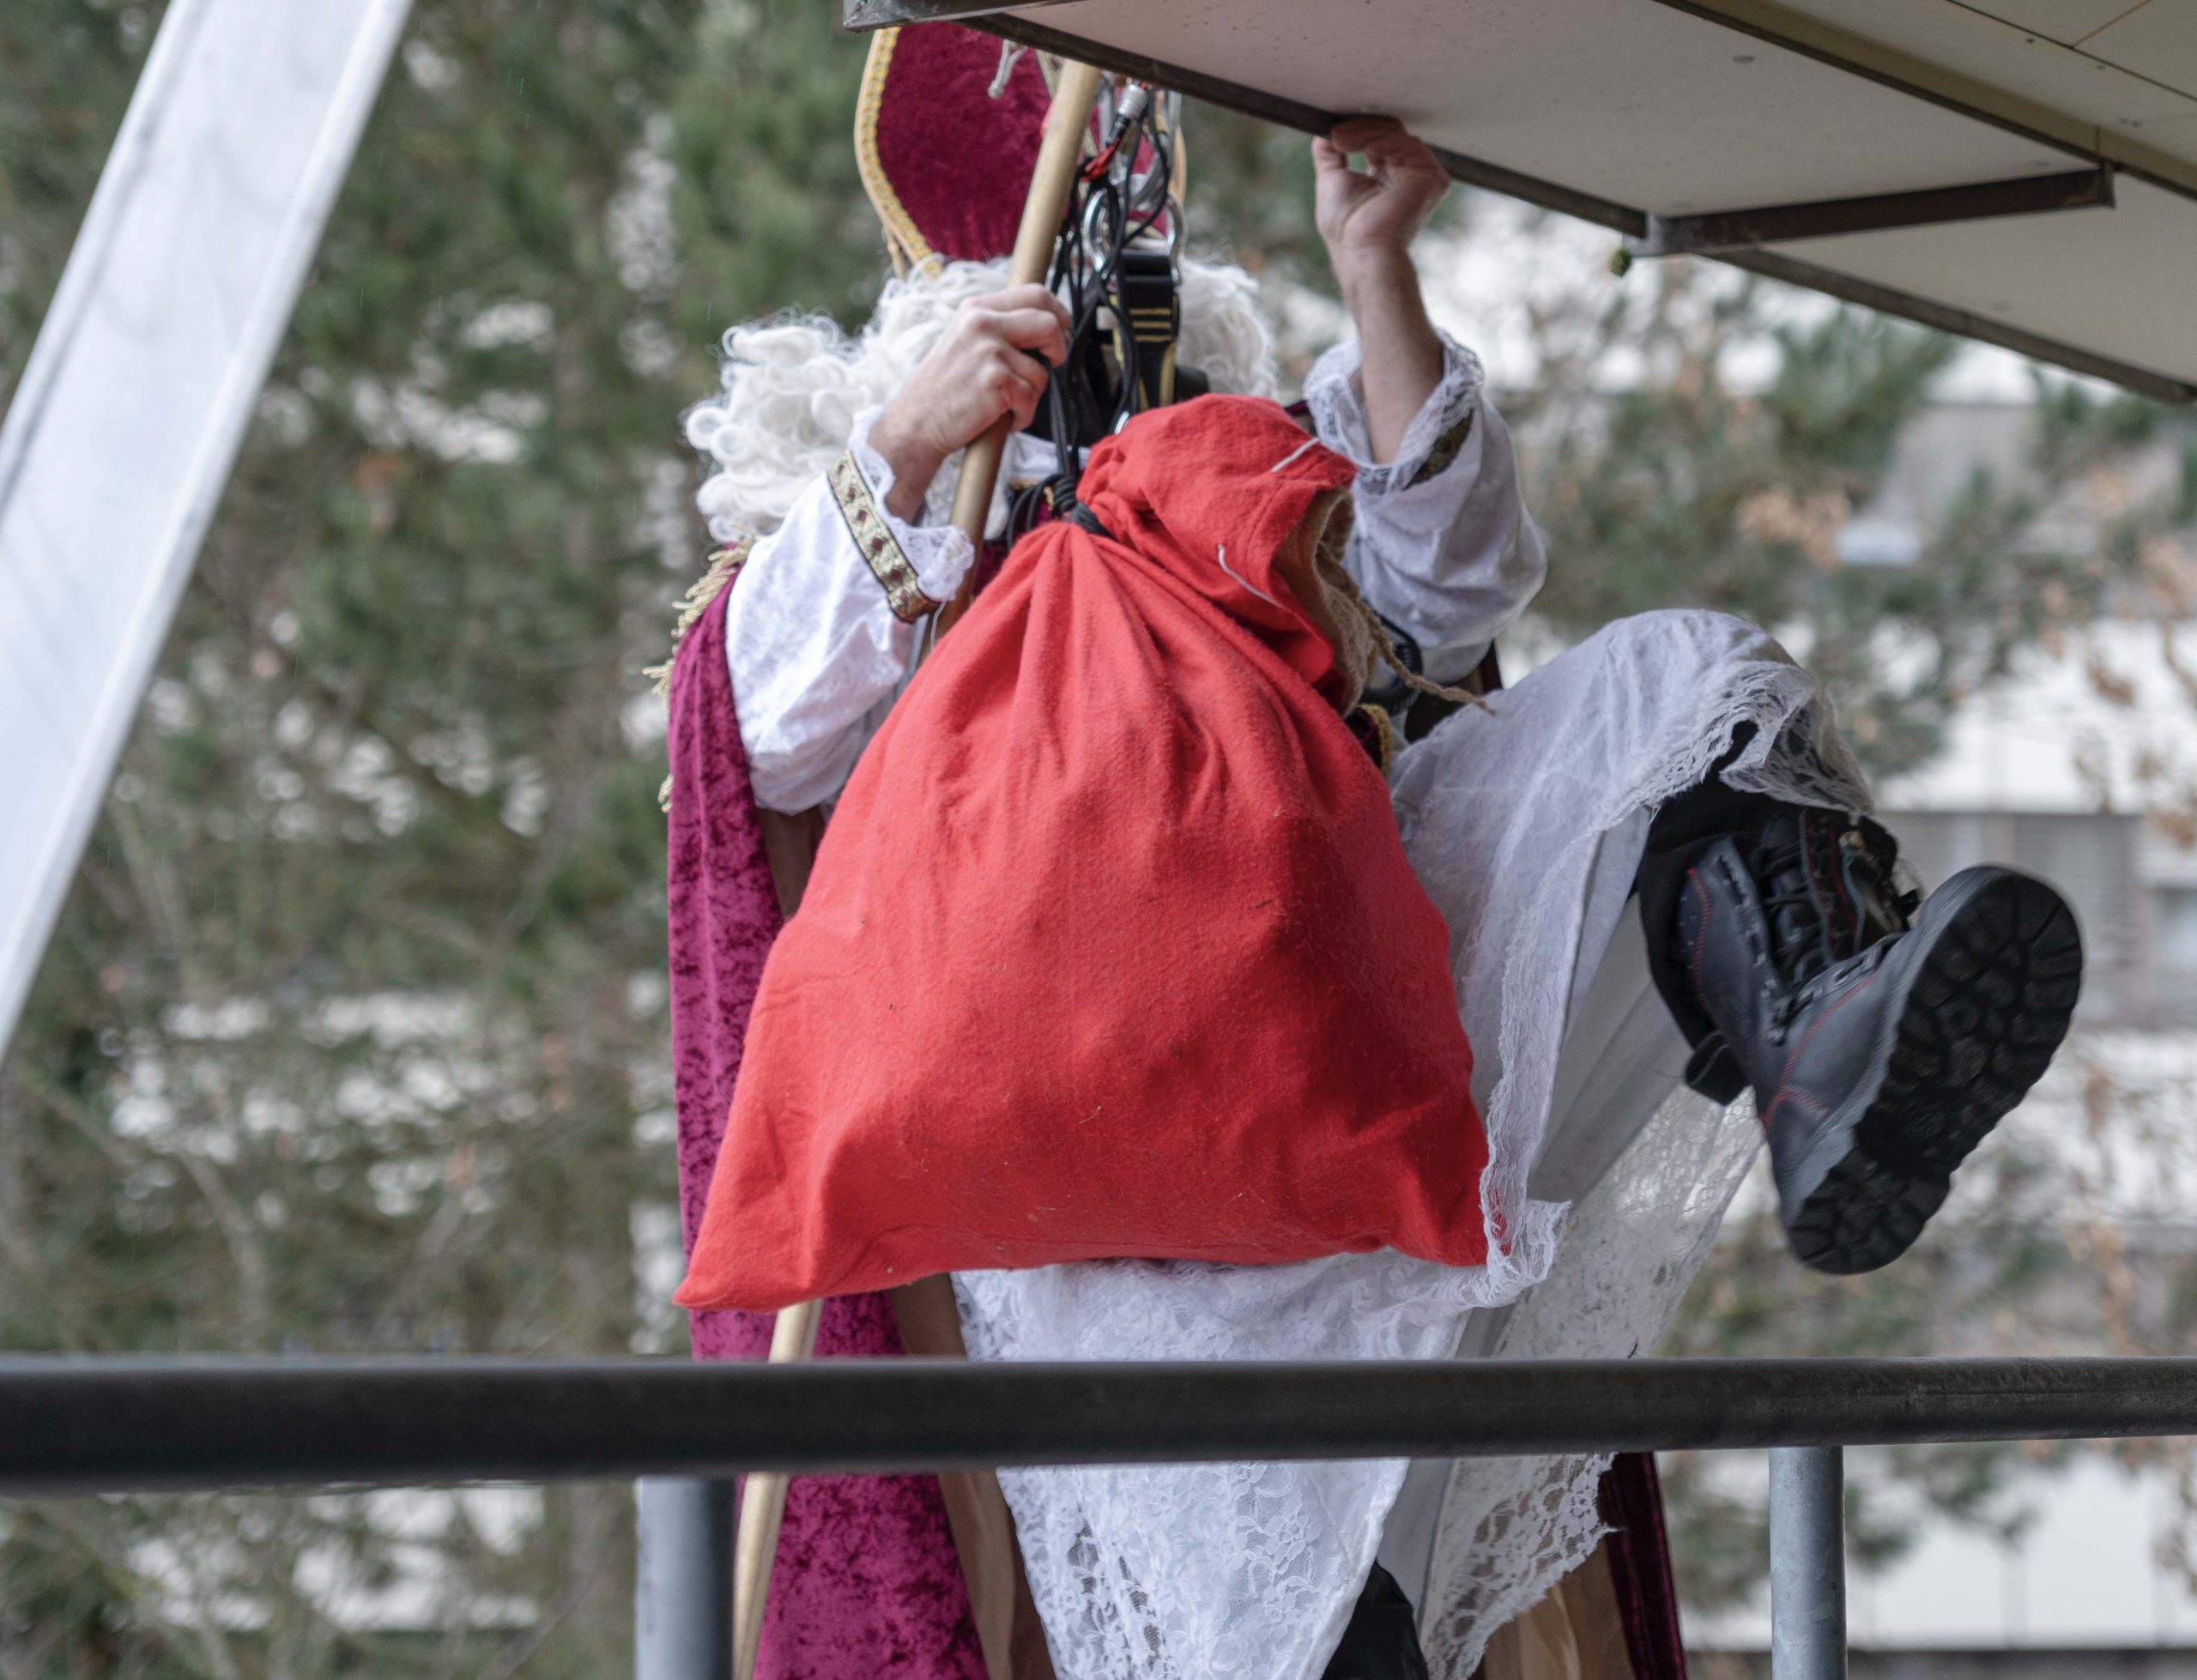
(682, 1579)
(1808, 1563)
(72, 1425)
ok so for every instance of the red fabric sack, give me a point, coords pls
(1111, 948)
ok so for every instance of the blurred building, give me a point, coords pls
(2080, 766)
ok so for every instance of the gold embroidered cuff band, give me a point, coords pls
(867, 524)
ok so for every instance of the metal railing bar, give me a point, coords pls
(70, 1425)
(1808, 1563)
(682, 1579)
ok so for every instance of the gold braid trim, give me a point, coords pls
(724, 566)
(867, 524)
(904, 241)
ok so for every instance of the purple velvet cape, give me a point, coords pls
(868, 1583)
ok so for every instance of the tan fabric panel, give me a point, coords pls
(1576, 1633)
(1007, 1628)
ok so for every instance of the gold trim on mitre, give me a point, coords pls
(903, 242)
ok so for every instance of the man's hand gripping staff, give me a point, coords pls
(991, 363)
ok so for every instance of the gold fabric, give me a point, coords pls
(1008, 1631)
(1446, 450)
(866, 524)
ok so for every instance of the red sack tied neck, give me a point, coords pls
(1111, 949)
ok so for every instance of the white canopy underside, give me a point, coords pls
(1616, 108)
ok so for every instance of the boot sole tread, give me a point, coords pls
(1985, 1008)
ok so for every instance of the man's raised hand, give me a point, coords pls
(1369, 218)
(994, 359)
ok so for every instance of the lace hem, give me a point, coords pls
(1437, 431)
(1511, 1528)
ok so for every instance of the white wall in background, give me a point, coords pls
(2085, 1573)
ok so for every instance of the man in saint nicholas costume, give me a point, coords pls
(1674, 932)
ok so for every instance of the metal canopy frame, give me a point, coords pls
(1721, 231)
(1735, 237)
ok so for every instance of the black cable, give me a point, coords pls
(1091, 281)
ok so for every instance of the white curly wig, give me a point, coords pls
(791, 387)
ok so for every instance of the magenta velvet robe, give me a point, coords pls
(868, 1583)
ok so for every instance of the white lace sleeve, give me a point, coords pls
(821, 629)
(1444, 547)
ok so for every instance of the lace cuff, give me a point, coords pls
(917, 566)
(1431, 442)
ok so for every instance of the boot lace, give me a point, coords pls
(1801, 949)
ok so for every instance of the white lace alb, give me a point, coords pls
(1517, 820)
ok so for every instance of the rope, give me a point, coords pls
(1410, 679)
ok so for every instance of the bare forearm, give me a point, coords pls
(914, 464)
(1400, 353)
(1368, 219)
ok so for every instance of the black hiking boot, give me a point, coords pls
(1880, 1050)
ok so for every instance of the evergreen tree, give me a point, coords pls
(353, 1036)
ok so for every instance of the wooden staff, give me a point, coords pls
(793, 1338)
(1058, 157)
(763, 1507)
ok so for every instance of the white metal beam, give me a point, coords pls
(145, 370)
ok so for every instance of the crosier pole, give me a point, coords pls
(793, 1338)
(1066, 124)
(763, 1508)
